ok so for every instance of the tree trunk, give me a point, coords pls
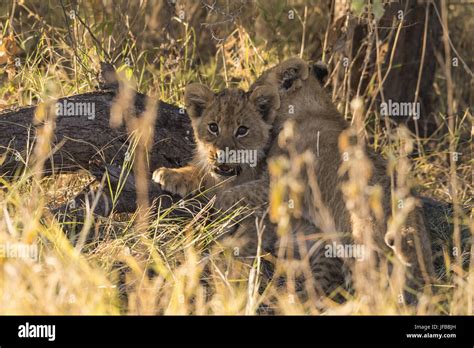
(402, 80)
(88, 138)
(90, 143)
(401, 83)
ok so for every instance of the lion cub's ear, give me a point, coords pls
(266, 100)
(196, 98)
(320, 70)
(291, 72)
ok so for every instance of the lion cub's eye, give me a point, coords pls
(241, 131)
(213, 128)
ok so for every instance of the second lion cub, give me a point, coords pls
(319, 126)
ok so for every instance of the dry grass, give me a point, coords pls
(180, 266)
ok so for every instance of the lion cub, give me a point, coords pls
(231, 130)
(318, 126)
(231, 121)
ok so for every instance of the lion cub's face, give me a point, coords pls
(231, 128)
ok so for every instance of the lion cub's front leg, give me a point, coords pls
(181, 181)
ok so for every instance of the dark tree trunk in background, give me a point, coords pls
(402, 79)
(401, 82)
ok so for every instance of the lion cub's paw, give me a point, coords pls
(172, 180)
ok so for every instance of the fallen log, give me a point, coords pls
(83, 138)
(86, 141)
